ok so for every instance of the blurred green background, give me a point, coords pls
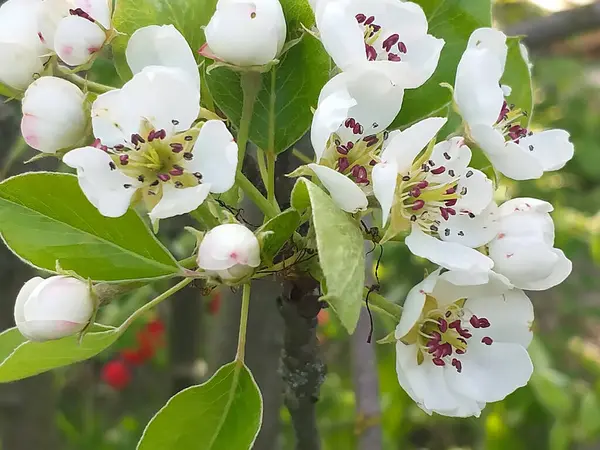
(105, 403)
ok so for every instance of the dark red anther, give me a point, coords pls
(176, 171)
(124, 159)
(163, 177)
(80, 13)
(456, 363)
(460, 352)
(360, 174)
(137, 139)
(371, 52)
(343, 164)
(443, 325)
(474, 321)
(484, 323)
(390, 42)
(358, 128)
(393, 57)
(360, 18)
(451, 191)
(342, 150)
(372, 162)
(151, 135)
(438, 170)
(176, 147)
(371, 140)
(419, 204)
(349, 123)
(422, 184)
(350, 145)
(438, 362)
(415, 192)
(444, 213)
(370, 20)
(487, 340)
(160, 134)
(451, 202)
(455, 324)
(402, 47)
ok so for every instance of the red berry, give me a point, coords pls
(156, 327)
(133, 356)
(116, 374)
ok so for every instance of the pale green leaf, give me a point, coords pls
(225, 413)
(21, 358)
(45, 218)
(341, 251)
(518, 76)
(278, 231)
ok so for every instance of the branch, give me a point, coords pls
(301, 368)
(366, 387)
(542, 32)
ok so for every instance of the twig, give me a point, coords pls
(301, 368)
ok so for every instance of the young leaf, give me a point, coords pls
(341, 251)
(45, 219)
(225, 413)
(453, 21)
(280, 228)
(21, 358)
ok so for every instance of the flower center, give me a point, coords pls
(443, 334)
(378, 45)
(352, 154)
(508, 123)
(155, 159)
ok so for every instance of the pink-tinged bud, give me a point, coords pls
(54, 115)
(246, 33)
(77, 39)
(230, 252)
(53, 308)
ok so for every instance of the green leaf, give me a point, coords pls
(518, 76)
(589, 411)
(225, 413)
(453, 21)
(341, 251)
(21, 358)
(188, 16)
(286, 97)
(45, 218)
(560, 437)
(281, 228)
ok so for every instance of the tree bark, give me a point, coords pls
(540, 33)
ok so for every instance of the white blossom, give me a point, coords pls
(74, 29)
(54, 114)
(246, 33)
(494, 124)
(146, 138)
(349, 130)
(460, 347)
(230, 252)
(523, 250)
(435, 194)
(387, 35)
(21, 52)
(53, 308)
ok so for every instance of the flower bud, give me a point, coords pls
(230, 252)
(21, 52)
(76, 39)
(53, 308)
(54, 115)
(246, 33)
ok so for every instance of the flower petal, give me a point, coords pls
(562, 269)
(18, 65)
(23, 296)
(227, 246)
(344, 192)
(552, 148)
(405, 146)
(178, 201)
(449, 255)
(477, 90)
(215, 156)
(156, 45)
(103, 186)
(385, 177)
(490, 373)
(113, 119)
(448, 291)
(413, 304)
(165, 97)
(509, 158)
(454, 155)
(510, 316)
(490, 39)
(471, 231)
(99, 10)
(477, 191)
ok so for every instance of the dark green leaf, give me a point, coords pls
(45, 218)
(341, 251)
(225, 413)
(282, 228)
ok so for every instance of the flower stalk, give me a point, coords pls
(241, 350)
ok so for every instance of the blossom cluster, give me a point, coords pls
(463, 335)
(464, 331)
